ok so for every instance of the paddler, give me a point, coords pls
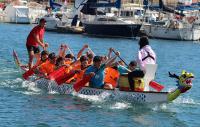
(43, 57)
(81, 69)
(96, 71)
(90, 54)
(34, 40)
(49, 66)
(69, 58)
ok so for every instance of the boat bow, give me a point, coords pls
(184, 83)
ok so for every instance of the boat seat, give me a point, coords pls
(149, 75)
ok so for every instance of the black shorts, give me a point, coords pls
(33, 48)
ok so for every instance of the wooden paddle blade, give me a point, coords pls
(62, 79)
(156, 86)
(60, 76)
(57, 73)
(28, 73)
(80, 84)
(16, 59)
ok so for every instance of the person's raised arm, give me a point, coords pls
(110, 52)
(90, 51)
(81, 51)
(110, 61)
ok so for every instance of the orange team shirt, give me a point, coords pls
(37, 30)
(47, 67)
(111, 76)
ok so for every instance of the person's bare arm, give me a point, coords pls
(109, 52)
(81, 51)
(110, 61)
(40, 42)
(90, 51)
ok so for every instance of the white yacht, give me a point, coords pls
(22, 12)
(174, 30)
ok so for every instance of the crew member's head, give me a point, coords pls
(59, 61)
(97, 61)
(52, 58)
(44, 55)
(42, 22)
(84, 61)
(143, 41)
(132, 65)
(69, 57)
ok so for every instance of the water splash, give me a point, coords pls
(184, 100)
(11, 83)
(120, 105)
(91, 98)
(159, 107)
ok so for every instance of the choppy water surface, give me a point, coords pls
(21, 104)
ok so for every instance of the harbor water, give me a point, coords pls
(23, 105)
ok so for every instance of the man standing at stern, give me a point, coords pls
(34, 40)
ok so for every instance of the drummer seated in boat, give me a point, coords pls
(96, 71)
(126, 69)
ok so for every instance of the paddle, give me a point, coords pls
(16, 58)
(120, 58)
(17, 61)
(91, 51)
(72, 53)
(156, 86)
(78, 85)
(60, 76)
(28, 73)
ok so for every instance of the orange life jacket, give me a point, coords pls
(47, 67)
(111, 76)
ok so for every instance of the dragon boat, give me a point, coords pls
(184, 83)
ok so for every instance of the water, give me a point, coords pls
(23, 105)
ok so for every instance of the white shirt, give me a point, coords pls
(142, 53)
